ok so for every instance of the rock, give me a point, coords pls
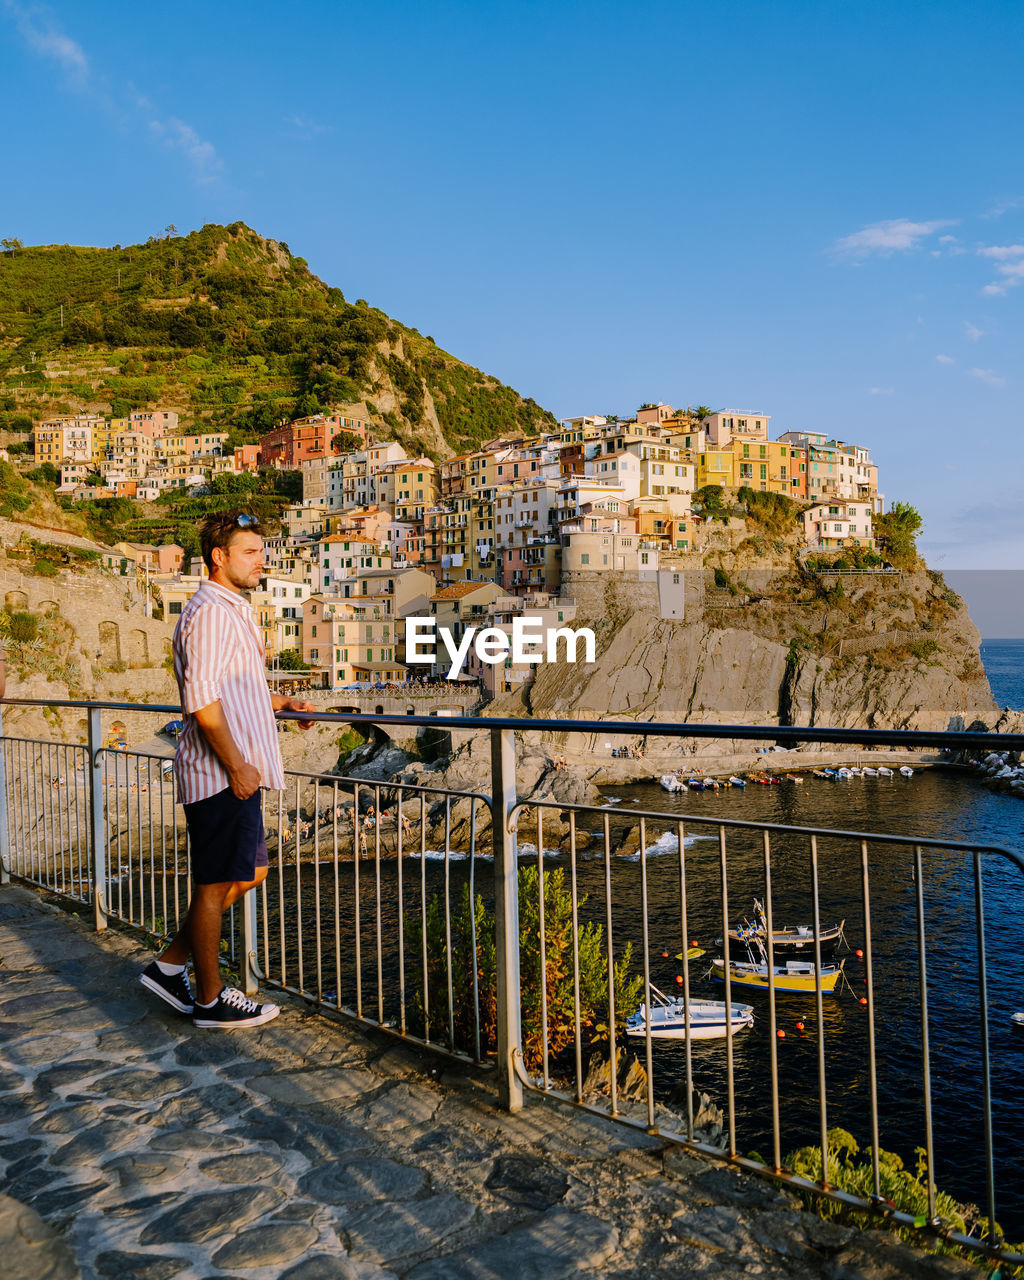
(116, 1265)
(210, 1214)
(362, 1181)
(382, 1236)
(268, 1245)
(248, 1168)
(557, 1244)
(30, 1249)
(528, 1182)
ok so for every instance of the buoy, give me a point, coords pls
(664, 955)
(694, 943)
(799, 1026)
(679, 978)
(863, 999)
(781, 1034)
(859, 954)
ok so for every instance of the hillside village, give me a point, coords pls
(477, 539)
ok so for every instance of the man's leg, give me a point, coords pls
(200, 931)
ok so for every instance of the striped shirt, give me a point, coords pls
(218, 657)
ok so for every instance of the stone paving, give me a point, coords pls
(135, 1148)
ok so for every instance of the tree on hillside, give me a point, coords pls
(11, 244)
(896, 531)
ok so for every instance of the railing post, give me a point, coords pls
(251, 971)
(506, 916)
(5, 838)
(97, 820)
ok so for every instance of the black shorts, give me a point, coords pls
(226, 839)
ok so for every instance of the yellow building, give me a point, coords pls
(765, 465)
(716, 466)
(416, 488)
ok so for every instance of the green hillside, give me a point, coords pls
(234, 332)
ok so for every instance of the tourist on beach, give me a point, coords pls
(227, 751)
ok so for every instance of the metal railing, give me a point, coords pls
(518, 932)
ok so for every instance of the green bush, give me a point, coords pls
(23, 627)
(554, 972)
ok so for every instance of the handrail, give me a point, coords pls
(951, 739)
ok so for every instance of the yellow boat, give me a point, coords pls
(794, 975)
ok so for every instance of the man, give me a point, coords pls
(226, 752)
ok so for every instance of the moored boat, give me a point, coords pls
(670, 782)
(737, 782)
(789, 938)
(794, 975)
(844, 773)
(868, 772)
(906, 771)
(701, 1019)
(793, 777)
(884, 771)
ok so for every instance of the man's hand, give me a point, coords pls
(296, 704)
(244, 780)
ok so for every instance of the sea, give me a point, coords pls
(936, 803)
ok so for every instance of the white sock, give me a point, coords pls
(169, 969)
(210, 1005)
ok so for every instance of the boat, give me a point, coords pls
(884, 771)
(906, 771)
(1016, 1019)
(737, 782)
(819, 773)
(868, 772)
(843, 773)
(696, 784)
(673, 1018)
(792, 975)
(793, 777)
(830, 774)
(789, 938)
(670, 782)
(854, 771)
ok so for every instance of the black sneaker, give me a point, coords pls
(233, 1009)
(173, 988)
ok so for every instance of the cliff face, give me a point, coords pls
(894, 652)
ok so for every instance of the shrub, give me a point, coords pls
(556, 974)
(23, 627)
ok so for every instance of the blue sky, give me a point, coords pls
(814, 210)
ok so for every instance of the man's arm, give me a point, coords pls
(244, 778)
(281, 703)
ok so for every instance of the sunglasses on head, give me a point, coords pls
(246, 521)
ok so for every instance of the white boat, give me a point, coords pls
(854, 771)
(1016, 1019)
(737, 782)
(846, 773)
(670, 1018)
(906, 771)
(868, 772)
(670, 782)
(884, 771)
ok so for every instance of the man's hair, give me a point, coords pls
(217, 530)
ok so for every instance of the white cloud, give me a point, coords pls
(179, 136)
(1002, 251)
(1003, 206)
(307, 126)
(988, 376)
(880, 391)
(1012, 275)
(972, 332)
(897, 235)
(45, 37)
(945, 360)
